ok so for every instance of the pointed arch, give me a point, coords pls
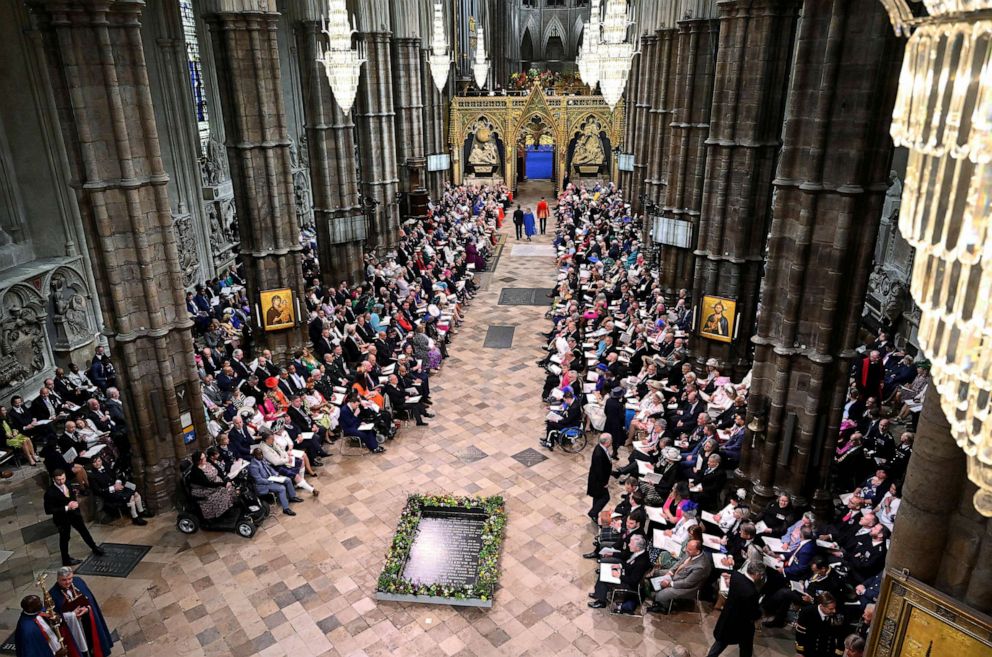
(554, 29)
(580, 33)
(527, 50)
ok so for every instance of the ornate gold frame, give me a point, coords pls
(901, 598)
(509, 114)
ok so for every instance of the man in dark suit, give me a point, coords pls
(868, 556)
(597, 486)
(61, 504)
(632, 572)
(350, 422)
(397, 398)
(796, 562)
(43, 407)
(242, 442)
(736, 623)
(615, 418)
(712, 482)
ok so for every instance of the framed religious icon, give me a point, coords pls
(716, 318)
(914, 620)
(277, 309)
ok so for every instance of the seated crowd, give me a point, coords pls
(618, 363)
(76, 425)
(372, 350)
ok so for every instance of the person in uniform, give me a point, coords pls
(820, 629)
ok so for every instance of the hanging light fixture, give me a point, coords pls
(588, 59)
(439, 60)
(943, 115)
(614, 53)
(342, 64)
(481, 66)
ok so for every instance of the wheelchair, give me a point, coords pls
(571, 439)
(243, 518)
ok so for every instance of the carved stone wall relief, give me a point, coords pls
(70, 308)
(182, 224)
(24, 349)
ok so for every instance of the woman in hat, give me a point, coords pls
(274, 404)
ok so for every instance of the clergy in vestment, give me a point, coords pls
(81, 612)
(34, 637)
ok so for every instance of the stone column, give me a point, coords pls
(697, 44)
(626, 178)
(435, 109)
(100, 84)
(829, 187)
(640, 129)
(752, 73)
(410, 154)
(258, 147)
(375, 116)
(661, 93)
(338, 215)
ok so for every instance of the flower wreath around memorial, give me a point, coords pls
(392, 581)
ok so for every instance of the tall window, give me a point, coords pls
(195, 70)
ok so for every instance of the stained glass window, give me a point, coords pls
(195, 70)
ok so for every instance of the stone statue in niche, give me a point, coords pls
(484, 156)
(186, 245)
(301, 193)
(22, 339)
(213, 163)
(589, 155)
(69, 309)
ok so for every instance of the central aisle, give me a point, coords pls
(305, 585)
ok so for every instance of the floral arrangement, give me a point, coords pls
(546, 79)
(392, 581)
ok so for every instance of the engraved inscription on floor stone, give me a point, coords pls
(529, 457)
(446, 549)
(524, 296)
(118, 561)
(499, 337)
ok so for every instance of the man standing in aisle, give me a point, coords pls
(599, 476)
(518, 221)
(61, 504)
(542, 214)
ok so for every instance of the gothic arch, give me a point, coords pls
(555, 29)
(580, 34)
(527, 51)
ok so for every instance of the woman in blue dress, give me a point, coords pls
(529, 223)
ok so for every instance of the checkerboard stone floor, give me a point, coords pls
(304, 586)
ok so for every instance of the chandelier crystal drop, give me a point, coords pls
(615, 54)
(588, 58)
(943, 115)
(439, 60)
(342, 64)
(481, 66)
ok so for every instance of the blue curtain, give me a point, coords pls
(540, 163)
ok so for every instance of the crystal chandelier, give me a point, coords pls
(481, 66)
(439, 59)
(588, 59)
(614, 53)
(342, 65)
(943, 115)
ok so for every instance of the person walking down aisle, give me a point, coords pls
(529, 224)
(542, 214)
(736, 623)
(518, 221)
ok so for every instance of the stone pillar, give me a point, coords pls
(641, 128)
(752, 73)
(435, 110)
(375, 116)
(338, 215)
(829, 188)
(630, 125)
(410, 155)
(100, 85)
(258, 148)
(660, 91)
(696, 60)
(938, 536)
